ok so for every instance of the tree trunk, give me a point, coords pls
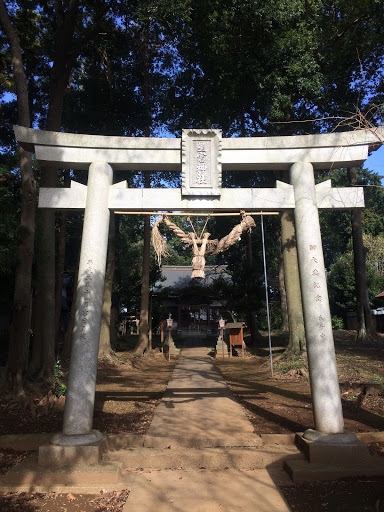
(365, 329)
(18, 354)
(256, 337)
(43, 356)
(62, 239)
(142, 342)
(21, 317)
(283, 295)
(296, 342)
(115, 306)
(105, 349)
(46, 268)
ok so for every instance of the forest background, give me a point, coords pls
(151, 68)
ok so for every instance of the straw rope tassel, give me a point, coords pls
(158, 242)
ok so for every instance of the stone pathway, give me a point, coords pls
(198, 404)
(202, 433)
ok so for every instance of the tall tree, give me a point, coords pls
(60, 266)
(256, 337)
(20, 328)
(73, 27)
(365, 330)
(296, 342)
(283, 295)
(106, 328)
(145, 58)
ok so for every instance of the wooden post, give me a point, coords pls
(222, 325)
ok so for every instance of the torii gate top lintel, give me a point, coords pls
(78, 151)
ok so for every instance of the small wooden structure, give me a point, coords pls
(236, 336)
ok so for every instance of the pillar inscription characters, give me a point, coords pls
(327, 410)
(78, 414)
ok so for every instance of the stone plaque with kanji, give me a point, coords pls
(201, 162)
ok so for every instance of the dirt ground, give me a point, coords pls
(350, 495)
(53, 502)
(282, 403)
(128, 390)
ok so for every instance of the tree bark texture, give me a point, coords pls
(283, 295)
(44, 334)
(296, 342)
(115, 305)
(365, 328)
(21, 316)
(142, 343)
(64, 59)
(256, 337)
(60, 264)
(105, 349)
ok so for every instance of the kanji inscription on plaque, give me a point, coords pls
(201, 162)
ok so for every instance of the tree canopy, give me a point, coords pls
(154, 67)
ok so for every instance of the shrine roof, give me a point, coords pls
(179, 276)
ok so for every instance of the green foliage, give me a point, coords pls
(375, 251)
(337, 323)
(60, 389)
(341, 284)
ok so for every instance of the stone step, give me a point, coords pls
(248, 458)
(203, 351)
(301, 470)
(202, 442)
(28, 476)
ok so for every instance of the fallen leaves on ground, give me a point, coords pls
(54, 502)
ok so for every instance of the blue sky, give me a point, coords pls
(375, 162)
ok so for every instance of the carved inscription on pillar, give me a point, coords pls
(316, 283)
(86, 304)
(201, 162)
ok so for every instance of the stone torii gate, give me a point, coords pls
(201, 155)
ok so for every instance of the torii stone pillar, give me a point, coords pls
(327, 411)
(78, 414)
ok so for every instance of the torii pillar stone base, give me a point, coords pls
(78, 414)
